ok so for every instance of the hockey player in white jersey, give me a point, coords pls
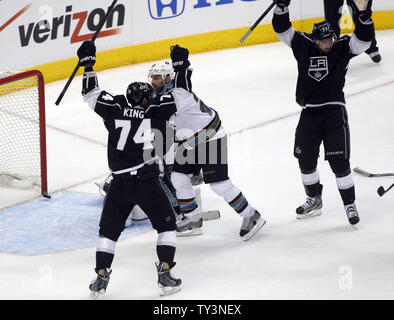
(202, 143)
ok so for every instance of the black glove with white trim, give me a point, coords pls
(179, 57)
(87, 54)
(283, 4)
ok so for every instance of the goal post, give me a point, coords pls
(23, 162)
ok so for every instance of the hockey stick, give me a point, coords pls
(381, 190)
(206, 215)
(70, 79)
(372, 175)
(258, 21)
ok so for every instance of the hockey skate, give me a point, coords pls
(189, 225)
(251, 225)
(99, 285)
(375, 56)
(352, 214)
(166, 282)
(311, 208)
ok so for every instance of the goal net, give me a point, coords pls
(22, 130)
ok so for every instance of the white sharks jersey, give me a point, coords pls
(193, 117)
(192, 120)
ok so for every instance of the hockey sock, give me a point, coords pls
(183, 185)
(344, 179)
(310, 178)
(311, 182)
(166, 246)
(166, 253)
(103, 260)
(233, 196)
(187, 205)
(105, 253)
(346, 187)
(239, 204)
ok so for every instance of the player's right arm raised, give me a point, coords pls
(181, 64)
(99, 100)
(363, 32)
(281, 22)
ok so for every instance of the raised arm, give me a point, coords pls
(363, 33)
(161, 108)
(281, 22)
(180, 63)
(102, 102)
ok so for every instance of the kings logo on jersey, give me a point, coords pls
(318, 68)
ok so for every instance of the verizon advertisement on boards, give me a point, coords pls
(42, 31)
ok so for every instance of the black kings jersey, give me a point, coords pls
(321, 77)
(129, 136)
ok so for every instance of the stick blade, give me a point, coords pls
(210, 215)
(381, 191)
(362, 172)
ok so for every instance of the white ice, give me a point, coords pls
(319, 258)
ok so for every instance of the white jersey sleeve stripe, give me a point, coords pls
(358, 46)
(287, 36)
(91, 97)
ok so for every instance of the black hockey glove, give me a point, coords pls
(179, 57)
(283, 3)
(87, 54)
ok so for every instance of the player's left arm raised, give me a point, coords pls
(181, 64)
(102, 102)
(281, 22)
(363, 33)
(87, 58)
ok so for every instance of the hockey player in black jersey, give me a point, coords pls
(333, 12)
(135, 175)
(322, 65)
(202, 144)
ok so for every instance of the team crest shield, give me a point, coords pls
(318, 68)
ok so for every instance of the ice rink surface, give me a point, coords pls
(253, 89)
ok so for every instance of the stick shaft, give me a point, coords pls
(389, 188)
(67, 84)
(258, 21)
(70, 79)
(111, 7)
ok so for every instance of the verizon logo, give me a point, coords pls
(64, 26)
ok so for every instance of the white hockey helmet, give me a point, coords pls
(163, 68)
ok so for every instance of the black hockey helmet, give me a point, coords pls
(137, 91)
(322, 30)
